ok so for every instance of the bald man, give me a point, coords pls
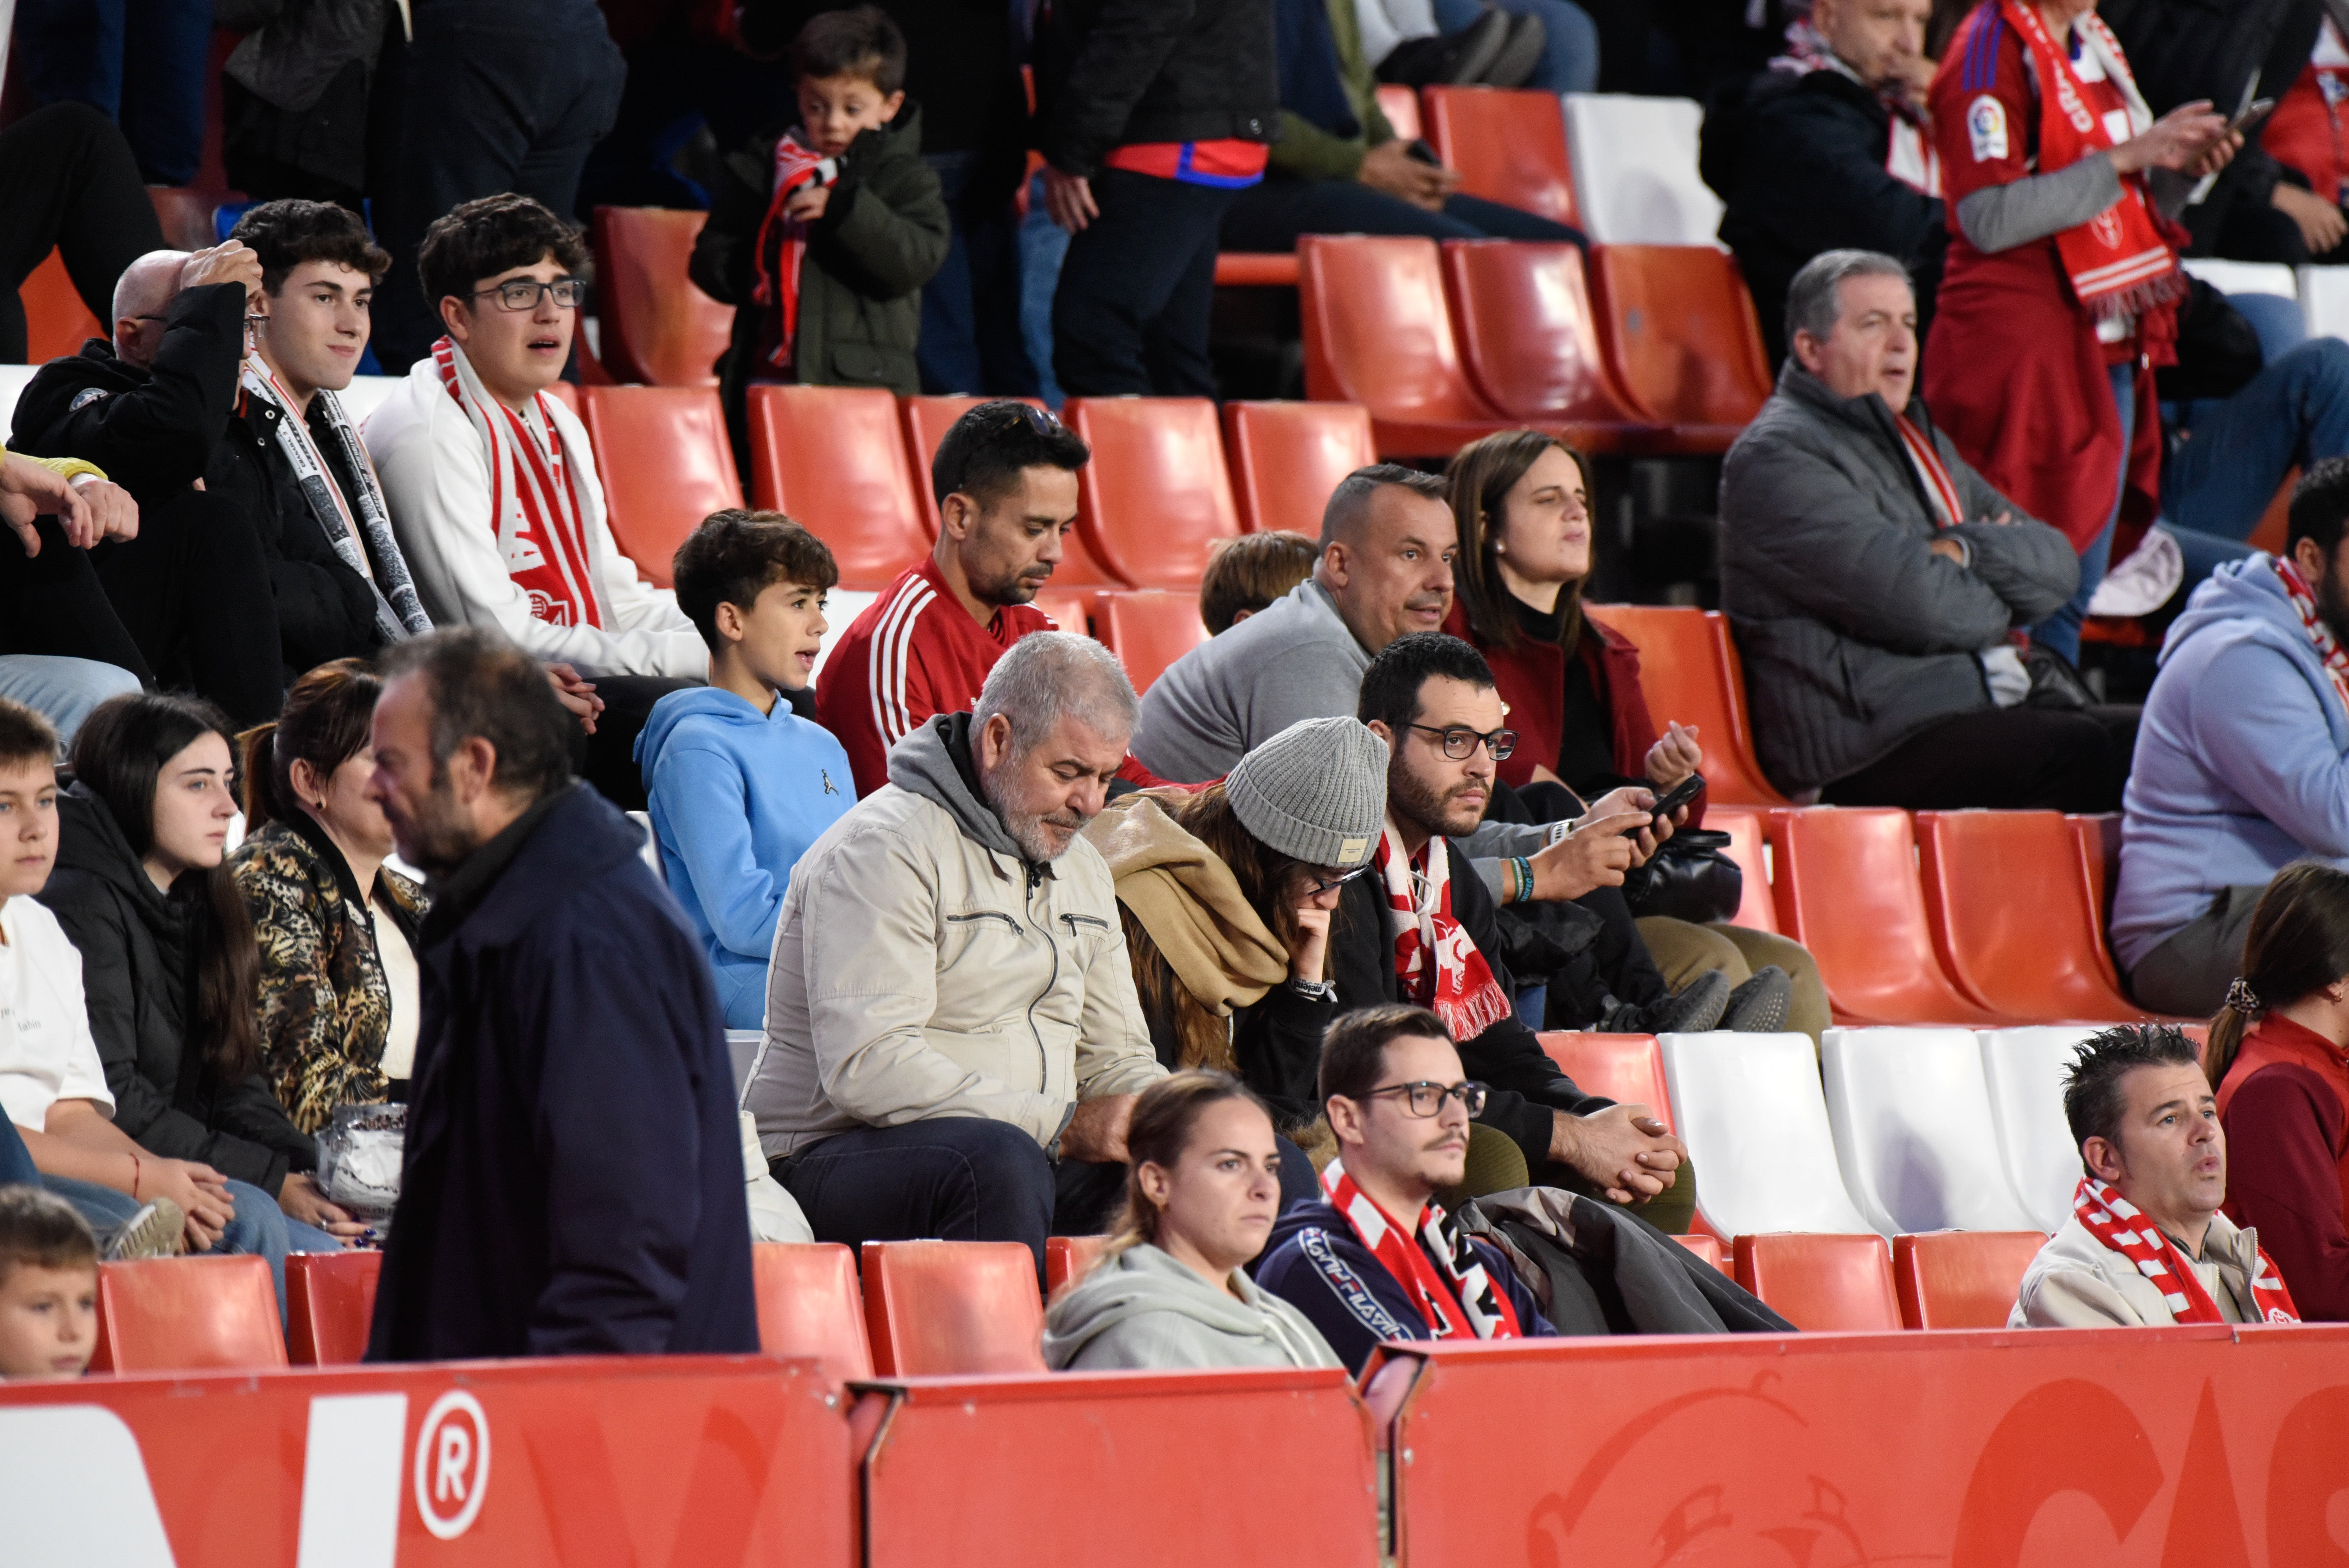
(150, 407)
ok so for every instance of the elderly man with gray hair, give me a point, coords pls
(1875, 582)
(953, 1039)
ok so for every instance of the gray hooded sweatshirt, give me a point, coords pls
(1143, 1311)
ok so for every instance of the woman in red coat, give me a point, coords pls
(1521, 500)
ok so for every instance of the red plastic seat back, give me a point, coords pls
(1627, 1068)
(2014, 915)
(1680, 333)
(942, 1309)
(1068, 1258)
(1706, 1247)
(1149, 629)
(1527, 332)
(665, 465)
(926, 420)
(832, 458)
(1755, 908)
(1686, 677)
(1072, 609)
(330, 1306)
(1378, 331)
(1508, 147)
(187, 1315)
(1157, 499)
(1961, 1279)
(656, 326)
(1286, 457)
(1399, 104)
(56, 323)
(1821, 1283)
(809, 1305)
(2096, 842)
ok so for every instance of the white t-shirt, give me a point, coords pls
(405, 981)
(46, 1053)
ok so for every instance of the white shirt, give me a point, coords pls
(46, 1053)
(402, 979)
(436, 480)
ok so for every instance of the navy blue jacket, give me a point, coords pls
(573, 1182)
(1317, 1264)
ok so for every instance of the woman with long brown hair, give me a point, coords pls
(2279, 1057)
(1521, 503)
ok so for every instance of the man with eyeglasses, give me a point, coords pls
(494, 489)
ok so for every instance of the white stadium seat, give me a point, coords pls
(1914, 1134)
(2324, 301)
(2244, 277)
(2025, 1072)
(1635, 179)
(1750, 1110)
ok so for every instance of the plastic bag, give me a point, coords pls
(359, 1152)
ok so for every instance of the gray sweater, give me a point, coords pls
(1294, 659)
(1142, 1310)
(1856, 634)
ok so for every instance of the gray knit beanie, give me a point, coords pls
(1317, 791)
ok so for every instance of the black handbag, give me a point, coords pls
(1690, 877)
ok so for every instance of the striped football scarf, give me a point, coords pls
(2115, 1221)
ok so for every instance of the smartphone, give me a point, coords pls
(1420, 149)
(1680, 795)
(2252, 116)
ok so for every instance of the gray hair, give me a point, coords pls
(1341, 519)
(1050, 675)
(1813, 301)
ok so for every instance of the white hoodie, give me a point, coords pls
(1142, 1310)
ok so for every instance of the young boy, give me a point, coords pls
(1250, 571)
(739, 785)
(48, 1287)
(822, 234)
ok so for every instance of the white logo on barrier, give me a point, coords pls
(452, 1464)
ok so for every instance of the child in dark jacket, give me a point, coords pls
(822, 234)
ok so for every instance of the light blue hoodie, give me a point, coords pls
(736, 798)
(2243, 759)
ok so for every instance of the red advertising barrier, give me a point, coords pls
(1134, 1469)
(649, 1461)
(2214, 1446)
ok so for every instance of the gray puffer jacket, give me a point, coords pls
(1855, 633)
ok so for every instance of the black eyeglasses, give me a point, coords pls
(1460, 742)
(1319, 881)
(1426, 1099)
(524, 294)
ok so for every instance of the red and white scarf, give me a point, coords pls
(1436, 960)
(1437, 1267)
(1949, 508)
(2115, 1221)
(2311, 621)
(2118, 262)
(1909, 155)
(543, 520)
(777, 284)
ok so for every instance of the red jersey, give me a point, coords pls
(2309, 131)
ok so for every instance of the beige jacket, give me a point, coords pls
(921, 968)
(2077, 1282)
(1190, 903)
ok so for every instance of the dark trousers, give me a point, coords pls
(53, 603)
(2003, 758)
(2190, 974)
(1136, 289)
(1270, 216)
(68, 181)
(142, 63)
(606, 759)
(970, 338)
(194, 591)
(491, 98)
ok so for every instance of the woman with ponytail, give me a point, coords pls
(2277, 1058)
(1201, 1190)
(170, 970)
(338, 982)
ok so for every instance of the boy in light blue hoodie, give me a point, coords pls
(739, 785)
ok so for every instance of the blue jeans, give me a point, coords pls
(62, 690)
(970, 338)
(2231, 453)
(1570, 46)
(261, 1229)
(16, 1167)
(140, 62)
(2061, 631)
(1043, 245)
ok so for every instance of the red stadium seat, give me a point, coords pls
(1755, 908)
(1156, 498)
(809, 1305)
(1847, 889)
(1627, 1068)
(1399, 104)
(1961, 1279)
(946, 1308)
(1378, 331)
(329, 1306)
(655, 325)
(927, 419)
(2014, 917)
(1255, 270)
(1821, 1283)
(1068, 1258)
(1149, 629)
(1286, 457)
(665, 464)
(2096, 842)
(1706, 1247)
(1530, 343)
(1688, 673)
(1508, 147)
(832, 458)
(187, 1315)
(1071, 610)
(56, 323)
(1682, 338)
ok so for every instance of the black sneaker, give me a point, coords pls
(1759, 1007)
(1519, 57)
(1693, 1011)
(1477, 45)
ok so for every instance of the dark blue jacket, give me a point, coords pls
(573, 1182)
(1317, 1264)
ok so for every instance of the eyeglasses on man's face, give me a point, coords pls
(1460, 742)
(1426, 1099)
(524, 294)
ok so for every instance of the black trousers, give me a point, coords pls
(2008, 759)
(194, 591)
(606, 759)
(68, 182)
(1136, 290)
(53, 603)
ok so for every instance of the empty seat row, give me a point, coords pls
(188, 1314)
(1848, 1284)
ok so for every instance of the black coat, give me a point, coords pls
(574, 1181)
(1114, 72)
(139, 982)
